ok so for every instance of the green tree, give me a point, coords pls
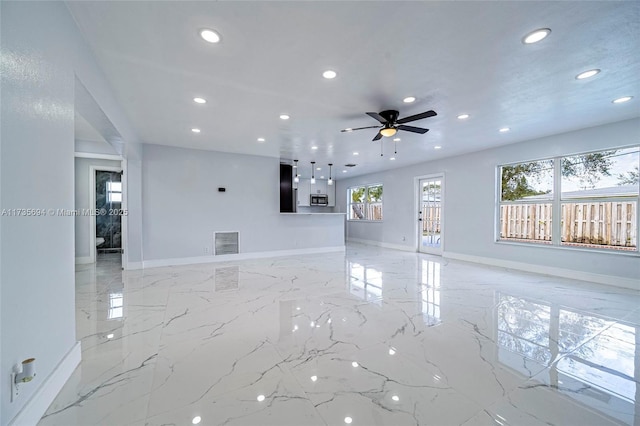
(588, 168)
(516, 179)
(357, 195)
(374, 194)
(631, 178)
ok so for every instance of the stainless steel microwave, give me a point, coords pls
(319, 199)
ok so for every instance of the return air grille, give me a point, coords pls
(225, 243)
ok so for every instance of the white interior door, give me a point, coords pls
(430, 199)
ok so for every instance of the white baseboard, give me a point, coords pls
(35, 408)
(132, 266)
(381, 244)
(83, 260)
(155, 263)
(549, 270)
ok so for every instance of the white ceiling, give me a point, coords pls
(455, 57)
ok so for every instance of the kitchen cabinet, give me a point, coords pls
(305, 190)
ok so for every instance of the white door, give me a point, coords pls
(430, 199)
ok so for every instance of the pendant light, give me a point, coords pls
(330, 181)
(313, 177)
(296, 178)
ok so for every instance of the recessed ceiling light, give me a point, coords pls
(587, 74)
(321, 177)
(314, 378)
(392, 351)
(314, 147)
(260, 398)
(318, 168)
(194, 130)
(109, 336)
(356, 153)
(437, 147)
(397, 140)
(354, 364)
(463, 116)
(622, 100)
(348, 420)
(396, 398)
(392, 158)
(260, 139)
(344, 171)
(536, 36)
(409, 99)
(196, 420)
(504, 130)
(329, 74)
(210, 35)
(200, 100)
(284, 117)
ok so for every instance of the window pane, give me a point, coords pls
(587, 179)
(527, 181)
(374, 193)
(612, 173)
(114, 186)
(526, 222)
(357, 195)
(603, 225)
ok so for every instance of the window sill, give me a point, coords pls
(570, 248)
(364, 221)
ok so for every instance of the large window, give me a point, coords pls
(365, 202)
(593, 195)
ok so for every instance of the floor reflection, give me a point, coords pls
(596, 357)
(365, 283)
(429, 272)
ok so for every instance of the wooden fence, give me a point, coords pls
(431, 217)
(611, 223)
(360, 211)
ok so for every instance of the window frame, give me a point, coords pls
(557, 202)
(365, 202)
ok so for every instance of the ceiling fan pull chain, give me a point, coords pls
(381, 154)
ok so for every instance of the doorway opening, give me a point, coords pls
(108, 218)
(430, 201)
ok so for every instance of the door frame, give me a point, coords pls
(416, 208)
(92, 205)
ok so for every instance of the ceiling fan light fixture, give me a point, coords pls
(388, 132)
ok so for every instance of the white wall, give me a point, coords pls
(83, 223)
(94, 147)
(182, 206)
(42, 54)
(470, 191)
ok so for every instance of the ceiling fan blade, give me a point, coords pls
(360, 128)
(378, 137)
(377, 117)
(416, 117)
(413, 129)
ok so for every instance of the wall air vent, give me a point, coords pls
(225, 243)
(350, 165)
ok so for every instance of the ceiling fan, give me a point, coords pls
(391, 124)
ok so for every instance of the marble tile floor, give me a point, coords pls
(367, 337)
